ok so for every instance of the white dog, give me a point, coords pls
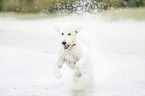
(71, 52)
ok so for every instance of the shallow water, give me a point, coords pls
(28, 50)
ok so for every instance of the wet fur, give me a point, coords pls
(75, 56)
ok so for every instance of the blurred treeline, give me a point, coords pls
(65, 5)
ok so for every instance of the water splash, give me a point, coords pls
(78, 6)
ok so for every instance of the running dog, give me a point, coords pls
(71, 52)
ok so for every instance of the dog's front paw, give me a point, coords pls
(57, 74)
(78, 73)
(59, 65)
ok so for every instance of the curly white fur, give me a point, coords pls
(75, 56)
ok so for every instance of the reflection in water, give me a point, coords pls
(82, 92)
(83, 87)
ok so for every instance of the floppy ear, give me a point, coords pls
(57, 26)
(78, 28)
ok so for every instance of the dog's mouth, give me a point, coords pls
(66, 46)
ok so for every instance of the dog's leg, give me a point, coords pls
(57, 65)
(79, 66)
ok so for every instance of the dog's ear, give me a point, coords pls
(78, 28)
(56, 26)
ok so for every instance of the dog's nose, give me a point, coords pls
(63, 42)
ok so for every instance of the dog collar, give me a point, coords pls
(74, 45)
(70, 46)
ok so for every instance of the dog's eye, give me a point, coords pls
(69, 34)
(62, 33)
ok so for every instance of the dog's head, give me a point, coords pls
(68, 34)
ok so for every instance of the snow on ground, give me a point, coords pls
(28, 50)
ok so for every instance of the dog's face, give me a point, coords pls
(68, 34)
